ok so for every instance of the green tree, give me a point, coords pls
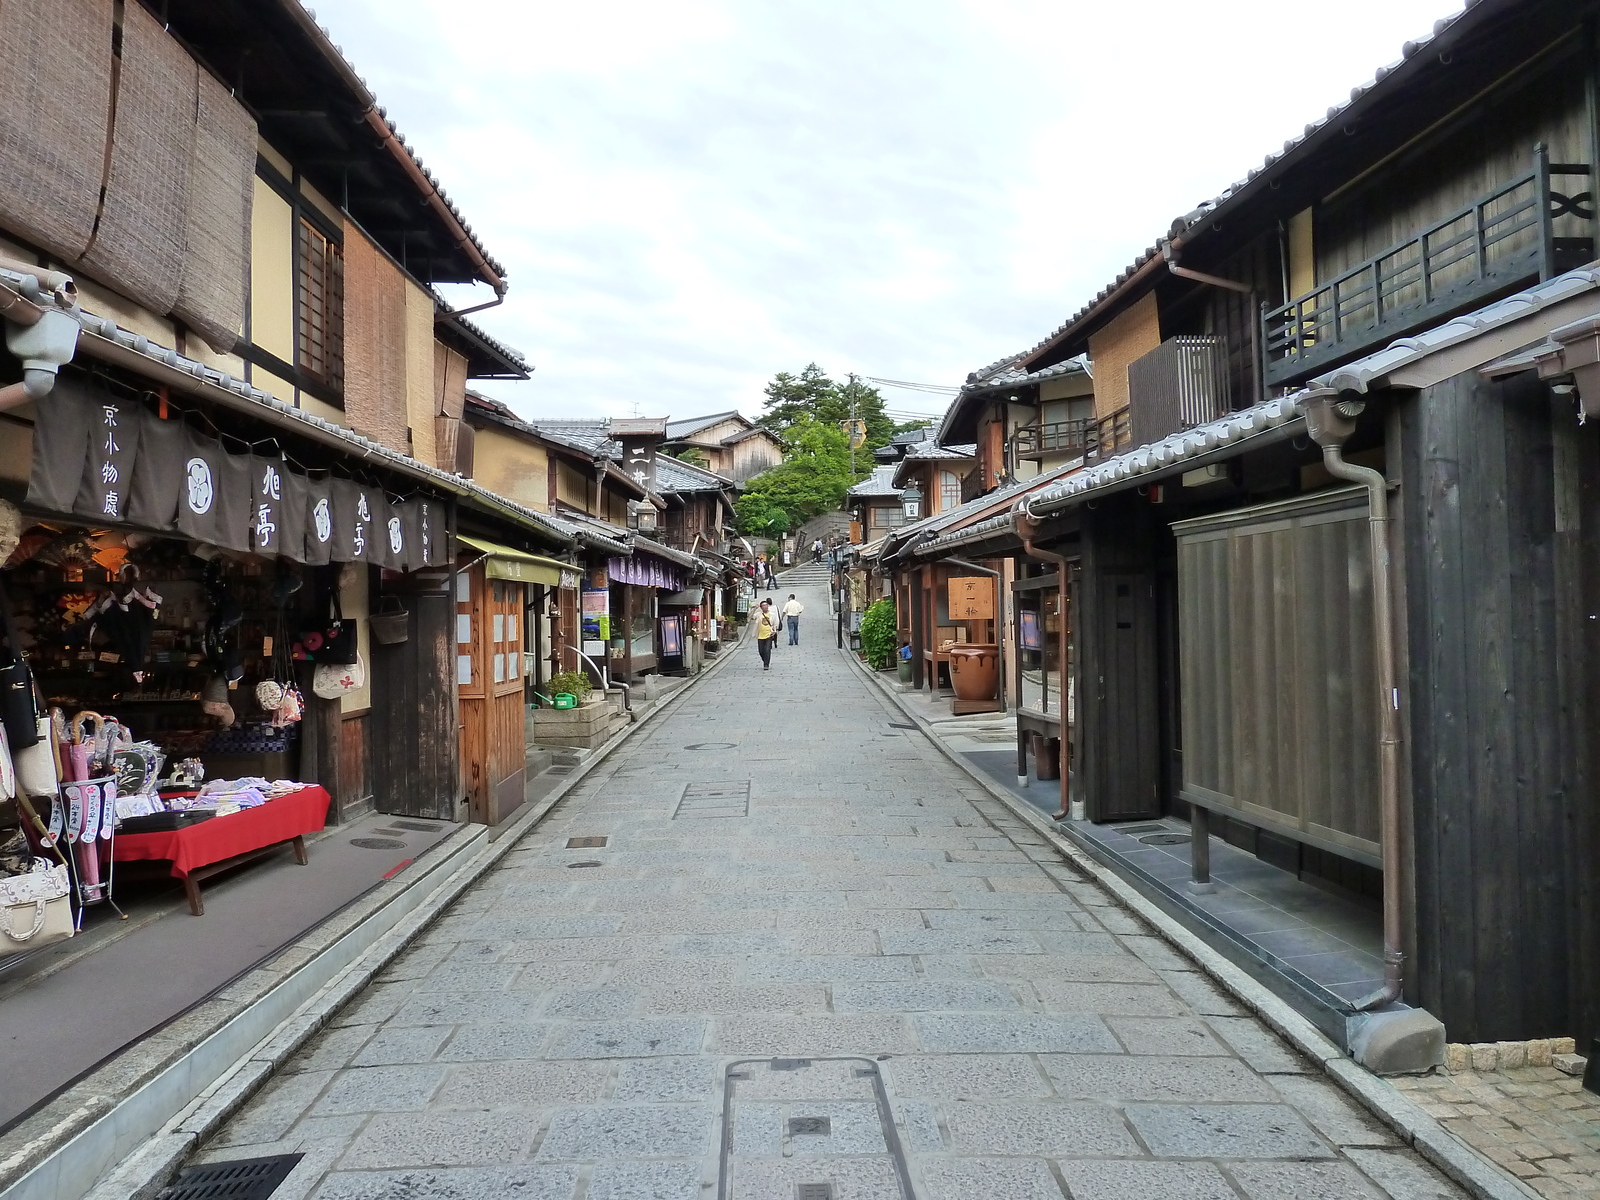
(811, 394)
(812, 479)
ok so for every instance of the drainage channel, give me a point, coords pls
(814, 1128)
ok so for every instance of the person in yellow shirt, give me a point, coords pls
(766, 633)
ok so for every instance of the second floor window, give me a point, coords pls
(320, 332)
(949, 491)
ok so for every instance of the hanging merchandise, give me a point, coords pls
(36, 764)
(333, 680)
(335, 641)
(391, 624)
(18, 712)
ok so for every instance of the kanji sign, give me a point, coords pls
(972, 598)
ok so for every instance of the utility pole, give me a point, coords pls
(852, 435)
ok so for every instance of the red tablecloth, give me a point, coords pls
(305, 811)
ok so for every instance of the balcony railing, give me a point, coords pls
(1500, 241)
(1089, 438)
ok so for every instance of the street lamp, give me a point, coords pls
(911, 502)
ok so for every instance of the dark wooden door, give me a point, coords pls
(414, 748)
(1124, 688)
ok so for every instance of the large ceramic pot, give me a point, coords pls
(904, 669)
(974, 668)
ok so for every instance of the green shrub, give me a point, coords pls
(573, 682)
(879, 633)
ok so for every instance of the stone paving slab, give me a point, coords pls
(568, 1033)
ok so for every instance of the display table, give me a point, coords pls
(199, 851)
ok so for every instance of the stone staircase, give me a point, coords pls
(806, 574)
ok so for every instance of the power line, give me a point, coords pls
(939, 388)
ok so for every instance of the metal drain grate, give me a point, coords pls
(583, 864)
(810, 1125)
(729, 799)
(370, 843)
(586, 843)
(1136, 830)
(712, 746)
(813, 1191)
(1165, 839)
(241, 1179)
(415, 826)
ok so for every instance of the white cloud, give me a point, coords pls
(691, 196)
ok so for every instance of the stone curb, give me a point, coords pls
(1477, 1175)
(143, 1174)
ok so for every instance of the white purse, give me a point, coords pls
(36, 765)
(34, 909)
(333, 680)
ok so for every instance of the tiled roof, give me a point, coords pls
(1386, 80)
(692, 425)
(1007, 373)
(932, 450)
(879, 483)
(675, 475)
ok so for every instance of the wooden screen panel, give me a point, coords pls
(320, 332)
(1276, 656)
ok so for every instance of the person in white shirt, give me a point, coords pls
(792, 609)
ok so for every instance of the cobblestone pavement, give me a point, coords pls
(1536, 1122)
(811, 960)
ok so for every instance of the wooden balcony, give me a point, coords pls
(1090, 438)
(1501, 241)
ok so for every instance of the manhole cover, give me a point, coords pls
(1165, 839)
(712, 746)
(241, 1179)
(583, 864)
(585, 843)
(368, 843)
(814, 1125)
(417, 826)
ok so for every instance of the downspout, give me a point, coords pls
(1028, 529)
(1169, 252)
(43, 339)
(1331, 420)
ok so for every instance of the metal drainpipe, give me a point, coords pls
(1169, 252)
(1027, 528)
(1331, 419)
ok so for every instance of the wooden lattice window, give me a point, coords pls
(321, 307)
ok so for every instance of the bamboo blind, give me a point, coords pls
(375, 343)
(139, 245)
(212, 285)
(56, 61)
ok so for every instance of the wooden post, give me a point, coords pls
(1200, 850)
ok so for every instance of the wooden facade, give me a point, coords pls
(489, 689)
(1502, 502)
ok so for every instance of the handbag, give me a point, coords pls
(333, 680)
(36, 764)
(18, 712)
(336, 643)
(34, 909)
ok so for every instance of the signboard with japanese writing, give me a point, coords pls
(971, 598)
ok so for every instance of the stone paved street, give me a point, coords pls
(858, 971)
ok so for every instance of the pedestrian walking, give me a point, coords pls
(766, 633)
(816, 551)
(791, 616)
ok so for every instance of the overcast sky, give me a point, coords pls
(690, 195)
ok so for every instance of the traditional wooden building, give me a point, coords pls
(1325, 579)
(729, 444)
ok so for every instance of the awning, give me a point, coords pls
(506, 563)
